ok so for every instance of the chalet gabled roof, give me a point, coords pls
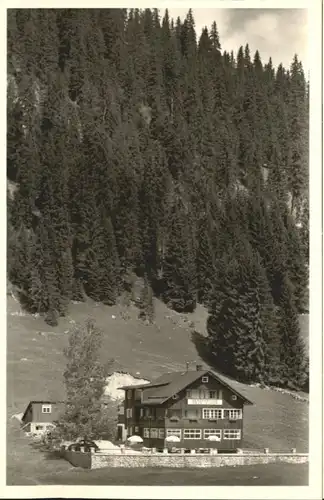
(169, 384)
(164, 379)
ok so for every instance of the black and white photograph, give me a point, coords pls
(158, 249)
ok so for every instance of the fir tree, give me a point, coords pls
(236, 325)
(205, 261)
(298, 124)
(147, 302)
(293, 357)
(223, 313)
(179, 264)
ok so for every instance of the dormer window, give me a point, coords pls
(46, 408)
(205, 379)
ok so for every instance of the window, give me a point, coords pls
(175, 414)
(232, 434)
(174, 432)
(160, 413)
(121, 410)
(147, 412)
(136, 429)
(213, 394)
(129, 394)
(202, 394)
(175, 396)
(212, 413)
(204, 379)
(192, 414)
(154, 432)
(141, 412)
(192, 434)
(130, 431)
(235, 414)
(39, 427)
(212, 432)
(46, 408)
(234, 397)
(129, 412)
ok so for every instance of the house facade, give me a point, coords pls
(191, 405)
(40, 416)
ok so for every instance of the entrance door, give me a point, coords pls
(120, 432)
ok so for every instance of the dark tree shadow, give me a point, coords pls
(203, 349)
(205, 352)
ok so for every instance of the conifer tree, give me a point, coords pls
(236, 325)
(293, 357)
(298, 125)
(147, 312)
(249, 349)
(179, 264)
(102, 263)
(19, 263)
(205, 261)
(44, 290)
(224, 312)
(296, 264)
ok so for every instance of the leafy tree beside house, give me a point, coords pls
(84, 415)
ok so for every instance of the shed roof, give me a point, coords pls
(42, 401)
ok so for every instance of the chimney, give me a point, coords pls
(199, 368)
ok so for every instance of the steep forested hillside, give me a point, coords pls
(136, 144)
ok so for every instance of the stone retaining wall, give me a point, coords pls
(190, 461)
(97, 461)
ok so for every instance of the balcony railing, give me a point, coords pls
(204, 401)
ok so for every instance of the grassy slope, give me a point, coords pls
(257, 475)
(276, 420)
